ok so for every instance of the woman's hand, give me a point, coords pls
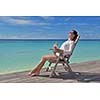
(55, 46)
(56, 49)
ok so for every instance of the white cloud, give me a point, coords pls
(82, 24)
(90, 36)
(47, 27)
(46, 36)
(8, 37)
(16, 21)
(48, 17)
(68, 19)
(21, 21)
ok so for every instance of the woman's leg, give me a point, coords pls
(37, 69)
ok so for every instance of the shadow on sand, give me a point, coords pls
(79, 76)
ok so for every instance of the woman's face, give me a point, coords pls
(71, 35)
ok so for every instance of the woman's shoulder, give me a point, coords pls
(68, 41)
(71, 42)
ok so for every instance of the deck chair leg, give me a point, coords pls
(66, 69)
(69, 68)
(53, 71)
(48, 68)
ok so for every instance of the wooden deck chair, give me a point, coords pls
(64, 61)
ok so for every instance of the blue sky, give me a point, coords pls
(48, 27)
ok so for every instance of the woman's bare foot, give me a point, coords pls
(29, 74)
(35, 74)
(33, 71)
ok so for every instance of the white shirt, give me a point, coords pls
(67, 47)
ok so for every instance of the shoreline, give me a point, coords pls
(87, 69)
(26, 70)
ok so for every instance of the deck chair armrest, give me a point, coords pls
(58, 50)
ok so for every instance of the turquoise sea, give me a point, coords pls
(21, 55)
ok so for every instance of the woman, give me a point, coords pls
(65, 49)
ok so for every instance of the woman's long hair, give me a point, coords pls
(75, 33)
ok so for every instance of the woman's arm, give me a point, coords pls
(59, 50)
(56, 49)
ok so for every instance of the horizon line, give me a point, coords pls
(46, 39)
